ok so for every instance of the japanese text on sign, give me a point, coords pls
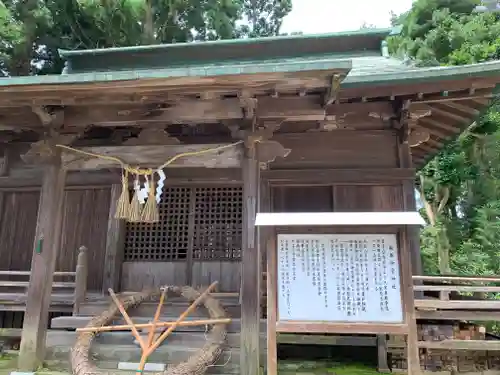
(345, 277)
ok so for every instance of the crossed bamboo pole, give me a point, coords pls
(151, 344)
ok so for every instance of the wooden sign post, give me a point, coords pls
(340, 273)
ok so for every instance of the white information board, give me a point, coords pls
(339, 278)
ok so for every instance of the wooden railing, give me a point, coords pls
(458, 298)
(67, 296)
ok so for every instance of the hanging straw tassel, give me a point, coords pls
(150, 213)
(134, 213)
(123, 204)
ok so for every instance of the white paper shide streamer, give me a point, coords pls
(159, 187)
(143, 194)
(138, 190)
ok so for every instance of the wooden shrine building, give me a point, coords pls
(323, 123)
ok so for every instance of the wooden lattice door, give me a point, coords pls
(217, 237)
(197, 241)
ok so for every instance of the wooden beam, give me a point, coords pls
(340, 328)
(152, 156)
(334, 176)
(114, 244)
(292, 108)
(457, 315)
(251, 274)
(46, 247)
(333, 340)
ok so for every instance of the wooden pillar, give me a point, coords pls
(410, 204)
(115, 240)
(383, 365)
(250, 269)
(45, 250)
(412, 350)
(272, 305)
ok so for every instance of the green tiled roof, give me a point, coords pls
(227, 52)
(357, 53)
(366, 71)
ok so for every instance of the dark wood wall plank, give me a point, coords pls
(355, 198)
(339, 149)
(85, 224)
(302, 199)
(17, 229)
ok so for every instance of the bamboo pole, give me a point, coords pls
(189, 323)
(127, 319)
(152, 329)
(165, 334)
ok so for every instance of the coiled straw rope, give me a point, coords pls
(207, 356)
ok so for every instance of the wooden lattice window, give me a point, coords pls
(210, 216)
(218, 223)
(166, 240)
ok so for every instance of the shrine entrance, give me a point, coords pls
(196, 242)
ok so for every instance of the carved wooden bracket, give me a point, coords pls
(45, 150)
(5, 163)
(52, 119)
(333, 90)
(152, 136)
(381, 116)
(416, 115)
(268, 151)
(248, 105)
(418, 136)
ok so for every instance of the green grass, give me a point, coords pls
(322, 367)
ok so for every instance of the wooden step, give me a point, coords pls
(169, 354)
(73, 322)
(458, 305)
(17, 298)
(25, 284)
(64, 365)
(68, 338)
(148, 309)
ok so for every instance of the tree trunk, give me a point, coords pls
(23, 52)
(148, 30)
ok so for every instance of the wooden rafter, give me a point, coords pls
(482, 95)
(439, 124)
(450, 114)
(461, 107)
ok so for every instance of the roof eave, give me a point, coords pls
(382, 32)
(422, 75)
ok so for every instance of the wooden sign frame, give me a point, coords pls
(408, 327)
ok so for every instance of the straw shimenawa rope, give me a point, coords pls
(149, 171)
(207, 356)
(131, 210)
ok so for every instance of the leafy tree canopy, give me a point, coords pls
(31, 31)
(460, 187)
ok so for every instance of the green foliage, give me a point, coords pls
(31, 31)
(462, 183)
(264, 17)
(446, 33)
